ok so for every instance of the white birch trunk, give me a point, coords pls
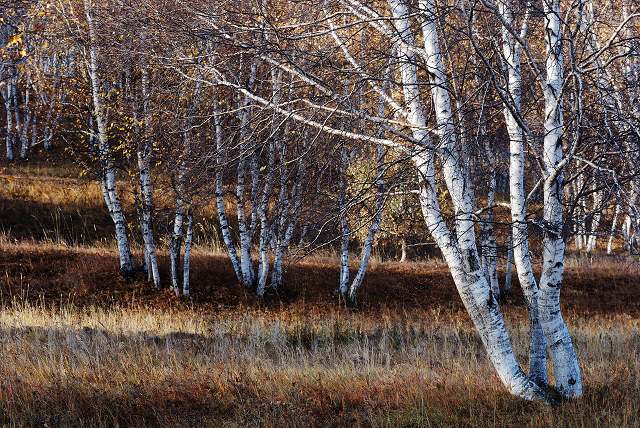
(367, 245)
(403, 250)
(508, 276)
(612, 232)
(176, 244)
(111, 197)
(488, 242)
(25, 125)
(345, 232)
(186, 269)
(595, 221)
(265, 230)
(9, 106)
(462, 257)
(565, 362)
(288, 217)
(225, 230)
(244, 227)
(517, 195)
(144, 154)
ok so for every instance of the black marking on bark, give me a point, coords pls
(471, 261)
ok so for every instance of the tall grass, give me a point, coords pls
(98, 366)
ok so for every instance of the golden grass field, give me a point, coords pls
(79, 346)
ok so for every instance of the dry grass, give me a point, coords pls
(99, 366)
(82, 347)
(79, 346)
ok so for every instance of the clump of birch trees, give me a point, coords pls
(511, 128)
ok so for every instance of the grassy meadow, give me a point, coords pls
(80, 346)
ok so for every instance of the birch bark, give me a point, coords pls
(225, 229)
(144, 154)
(565, 362)
(110, 192)
(461, 256)
(517, 196)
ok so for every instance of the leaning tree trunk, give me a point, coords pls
(223, 219)
(367, 245)
(108, 174)
(460, 254)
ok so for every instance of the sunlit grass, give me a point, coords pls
(138, 365)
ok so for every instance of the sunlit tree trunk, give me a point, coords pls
(108, 173)
(518, 195)
(9, 106)
(461, 256)
(565, 362)
(143, 154)
(223, 219)
(25, 125)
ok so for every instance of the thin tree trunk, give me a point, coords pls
(565, 362)
(612, 233)
(25, 125)
(109, 176)
(595, 222)
(9, 106)
(345, 232)
(367, 245)
(225, 230)
(144, 154)
(517, 194)
(176, 244)
(265, 231)
(244, 227)
(186, 270)
(487, 231)
(509, 268)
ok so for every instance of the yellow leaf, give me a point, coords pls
(14, 40)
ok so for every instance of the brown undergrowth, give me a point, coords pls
(81, 346)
